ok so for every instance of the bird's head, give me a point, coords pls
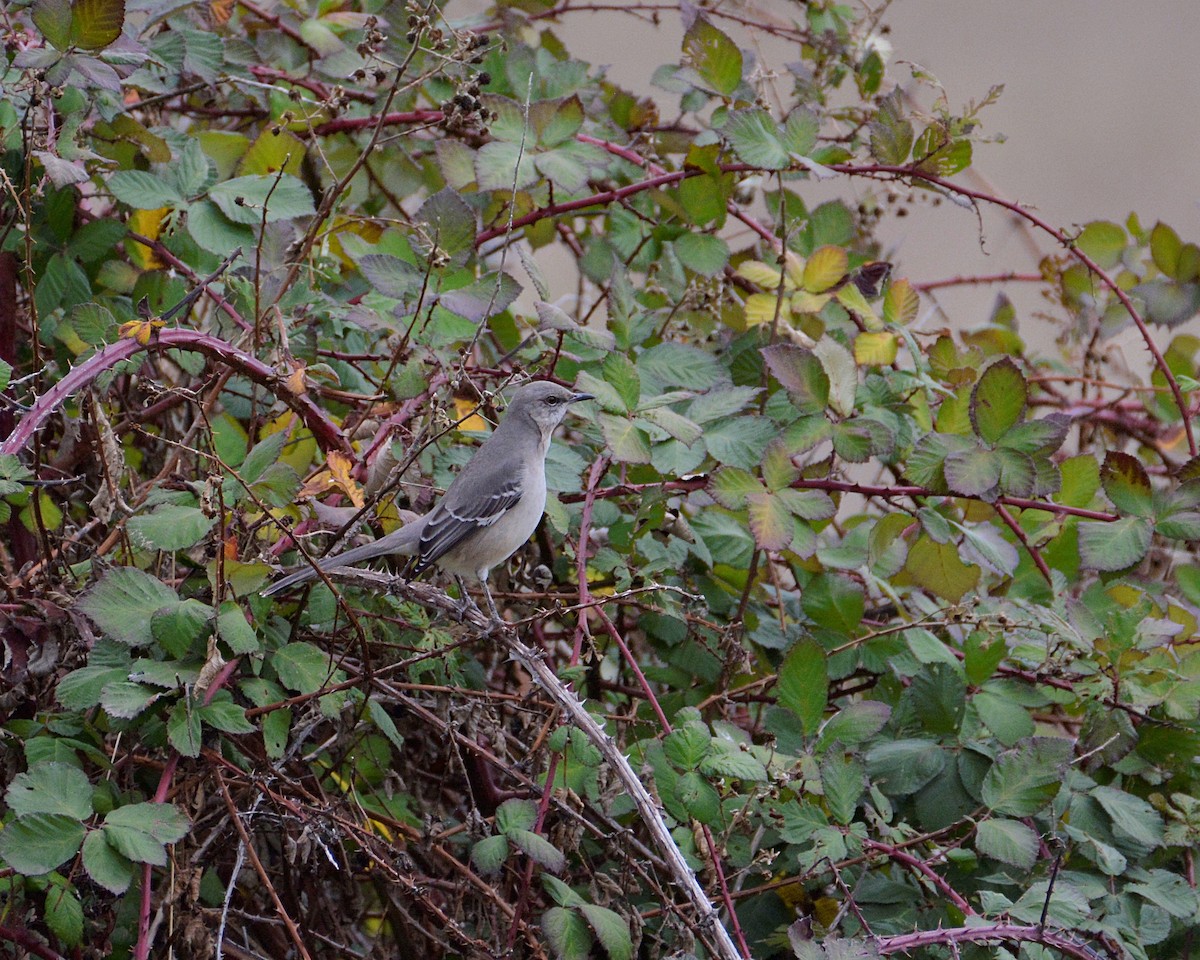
(544, 403)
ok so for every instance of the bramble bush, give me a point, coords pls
(844, 635)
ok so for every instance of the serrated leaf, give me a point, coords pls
(257, 198)
(40, 842)
(713, 56)
(974, 473)
(727, 760)
(699, 798)
(902, 767)
(108, 867)
(753, 135)
(687, 745)
(730, 486)
(1131, 816)
(620, 373)
(483, 299)
(163, 821)
(702, 253)
(1127, 484)
(57, 788)
(135, 845)
(842, 373)
(825, 268)
(540, 850)
(900, 303)
(804, 684)
(891, 133)
(184, 732)
(142, 190)
(998, 400)
(877, 349)
(391, 276)
(855, 723)
(611, 930)
(770, 520)
(302, 667)
(170, 527)
(123, 603)
(489, 854)
(938, 568)
(235, 630)
(1165, 248)
(1008, 841)
(568, 934)
(626, 442)
(1104, 242)
(1115, 545)
(64, 913)
(1023, 780)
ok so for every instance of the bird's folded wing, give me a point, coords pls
(457, 517)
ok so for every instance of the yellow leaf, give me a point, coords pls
(760, 308)
(825, 268)
(803, 302)
(296, 380)
(140, 330)
(794, 269)
(149, 224)
(900, 303)
(852, 299)
(465, 412)
(759, 274)
(875, 349)
(340, 466)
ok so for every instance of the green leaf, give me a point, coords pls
(799, 134)
(938, 568)
(540, 850)
(170, 527)
(302, 667)
(687, 745)
(903, 767)
(715, 58)
(184, 731)
(142, 190)
(1127, 484)
(1165, 248)
(135, 845)
(1169, 891)
(702, 253)
(64, 913)
(235, 631)
(611, 930)
(836, 602)
(125, 700)
(842, 780)
(226, 716)
(698, 797)
(1023, 780)
(489, 854)
(730, 486)
(727, 760)
(1131, 816)
(38, 843)
(974, 473)
(163, 821)
(770, 521)
(855, 723)
(801, 373)
(626, 442)
(1104, 242)
(1115, 545)
(804, 684)
(57, 788)
(1008, 841)
(842, 372)
(53, 19)
(123, 603)
(516, 815)
(753, 135)
(483, 299)
(568, 934)
(620, 373)
(257, 198)
(998, 400)
(391, 276)
(891, 133)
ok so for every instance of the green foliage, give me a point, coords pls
(899, 628)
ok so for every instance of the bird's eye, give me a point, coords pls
(552, 400)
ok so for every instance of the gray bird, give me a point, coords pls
(489, 511)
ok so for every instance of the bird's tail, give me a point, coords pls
(403, 541)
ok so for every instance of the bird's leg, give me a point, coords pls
(465, 600)
(487, 595)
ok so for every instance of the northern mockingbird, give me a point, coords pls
(489, 511)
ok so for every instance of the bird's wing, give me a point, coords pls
(483, 493)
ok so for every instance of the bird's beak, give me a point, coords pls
(576, 397)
